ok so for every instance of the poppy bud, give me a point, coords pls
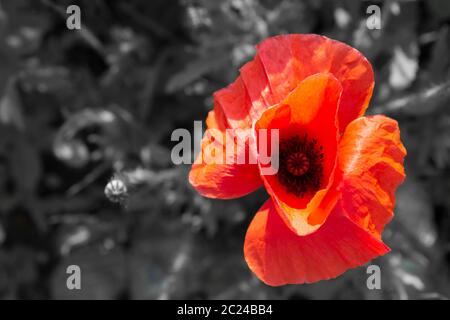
(116, 191)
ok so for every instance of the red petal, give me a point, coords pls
(288, 59)
(235, 103)
(278, 256)
(224, 179)
(258, 87)
(371, 167)
(216, 119)
(311, 108)
(282, 62)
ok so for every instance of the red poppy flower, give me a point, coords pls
(334, 190)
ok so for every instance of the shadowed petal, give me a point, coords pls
(370, 163)
(218, 174)
(278, 256)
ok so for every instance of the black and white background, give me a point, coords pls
(80, 107)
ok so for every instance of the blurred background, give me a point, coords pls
(81, 107)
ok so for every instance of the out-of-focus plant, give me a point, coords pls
(80, 108)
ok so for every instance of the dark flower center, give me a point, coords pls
(297, 163)
(301, 165)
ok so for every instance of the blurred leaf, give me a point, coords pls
(414, 211)
(404, 66)
(18, 272)
(52, 79)
(194, 70)
(11, 108)
(25, 165)
(154, 262)
(73, 152)
(102, 128)
(2, 234)
(103, 275)
(440, 8)
(78, 230)
(439, 63)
